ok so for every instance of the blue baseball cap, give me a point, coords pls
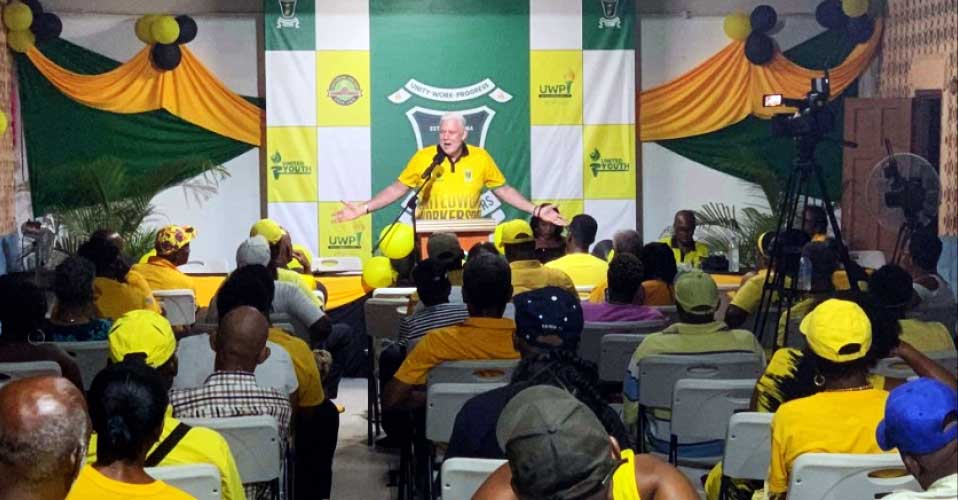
(549, 311)
(914, 417)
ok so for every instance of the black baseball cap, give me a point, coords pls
(549, 311)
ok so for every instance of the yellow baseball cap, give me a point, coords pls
(269, 229)
(171, 238)
(838, 330)
(145, 332)
(516, 231)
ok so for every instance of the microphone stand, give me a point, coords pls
(410, 206)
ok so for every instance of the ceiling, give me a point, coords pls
(648, 7)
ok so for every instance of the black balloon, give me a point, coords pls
(759, 48)
(763, 18)
(861, 28)
(35, 7)
(46, 27)
(166, 57)
(188, 29)
(830, 15)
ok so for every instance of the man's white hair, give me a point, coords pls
(453, 115)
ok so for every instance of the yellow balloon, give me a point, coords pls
(4, 122)
(20, 41)
(142, 28)
(737, 26)
(165, 30)
(855, 8)
(378, 272)
(399, 242)
(17, 16)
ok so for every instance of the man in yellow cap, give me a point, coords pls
(148, 336)
(281, 254)
(172, 250)
(528, 273)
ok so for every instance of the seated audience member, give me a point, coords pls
(547, 333)
(172, 250)
(43, 429)
(624, 241)
(697, 332)
(128, 401)
(445, 249)
(578, 263)
(116, 289)
(281, 253)
(148, 337)
(935, 293)
(748, 297)
(921, 421)
(603, 250)
(74, 317)
(660, 271)
(815, 223)
(232, 389)
(433, 287)
(302, 261)
(625, 286)
(550, 244)
(22, 310)
(483, 335)
(527, 272)
(685, 249)
(557, 448)
(890, 287)
(824, 262)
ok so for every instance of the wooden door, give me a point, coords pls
(869, 122)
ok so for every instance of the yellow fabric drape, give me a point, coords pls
(726, 88)
(190, 92)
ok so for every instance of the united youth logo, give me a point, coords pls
(344, 90)
(280, 167)
(287, 15)
(558, 89)
(600, 164)
(610, 14)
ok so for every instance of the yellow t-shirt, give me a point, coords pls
(693, 258)
(624, 485)
(926, 336)
(91, 485)
(827, 422)
(475, 338)
(532, 275)
(113, 298)
(749, 294)
(304, 365)
(161, 274)
(302, 282)
(657, 293)
(199, 446)
(454, 190)
(584, 269)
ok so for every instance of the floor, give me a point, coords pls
(359, 472)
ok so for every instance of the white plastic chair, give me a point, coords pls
(179, 306)
(670, 312)
(615, 353)
(748, 448)
(590, 342)
(90, 357)
(13, 371)
(337, 264)
(462, 477)
(382, 322)
(393, 292)
(872, 259)
(897, 368)
(477, 371)
(701, 410)
(199, 480)
(254, 441)
(443, 402)
(584, 290)
(214, 266)
(840, 476)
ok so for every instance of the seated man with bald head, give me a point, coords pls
(44, 429)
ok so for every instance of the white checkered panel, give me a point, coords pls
(291, 99)
(556, 162)
(555, 25)
(608, 87)
(342, 25)
(300, 220)
(344, 163)
(611, 215)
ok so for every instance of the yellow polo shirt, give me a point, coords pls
(454, 190)
(475, 338)
(583, 268)
(304, 365)
(199, 446)
(113, 299)
(693, 258)
(532, 275)
(92, 485)
(926, 336)
(161, 274)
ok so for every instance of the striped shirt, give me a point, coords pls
(412, 328)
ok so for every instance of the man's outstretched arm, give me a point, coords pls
(383, 198)
(513, 197)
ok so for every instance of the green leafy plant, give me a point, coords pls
(719, 225)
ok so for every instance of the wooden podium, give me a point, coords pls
(469, 231)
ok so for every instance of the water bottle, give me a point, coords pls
(805, 275)
(732, 257)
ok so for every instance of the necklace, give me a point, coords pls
(849, 389)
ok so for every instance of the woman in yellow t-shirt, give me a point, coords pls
(127, 404)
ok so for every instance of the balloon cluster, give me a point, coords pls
(28, 24)
(753, 30)
(166, 34)
(850, 15)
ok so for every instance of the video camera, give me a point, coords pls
(813, 117)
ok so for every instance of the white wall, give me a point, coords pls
(227, 46)
(671, 46)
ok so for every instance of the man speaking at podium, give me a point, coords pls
(459, 173)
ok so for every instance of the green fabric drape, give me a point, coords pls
(63, 136)
(747, 149)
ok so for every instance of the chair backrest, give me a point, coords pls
(462, 477)
(90, 357)
(590, 342)
(748, 446)
(584, 291)
(393, 292)
(199, 480)
(701, 408)
(767, 335)
(337, 264)
(872, 259)
(13, 371)
(897, 368)
(291, 325)
(254, 441)
(670, 312)
(179, 306)
(658, 374)
(839, 476)
(615, 353)
(383, 315)
(443, 402)
(474, 371)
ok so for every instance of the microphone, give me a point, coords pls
(436, 161)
